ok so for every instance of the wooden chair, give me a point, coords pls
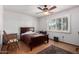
(10, 40)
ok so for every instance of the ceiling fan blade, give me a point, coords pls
(39, 8)
(52, 8)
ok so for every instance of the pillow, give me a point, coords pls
(29, 32)
(12, 40)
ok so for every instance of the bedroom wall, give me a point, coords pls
(13, 21)
(1, 18)
(72, 37)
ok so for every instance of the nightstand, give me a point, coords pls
(43, 32)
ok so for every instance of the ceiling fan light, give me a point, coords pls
(46, 13)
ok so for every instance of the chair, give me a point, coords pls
(10, 40)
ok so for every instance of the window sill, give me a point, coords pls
(56, 31)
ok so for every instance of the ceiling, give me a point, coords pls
(33, 10)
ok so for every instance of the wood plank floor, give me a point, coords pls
(23, 48)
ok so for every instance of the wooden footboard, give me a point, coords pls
(32, 41)
(35, 41)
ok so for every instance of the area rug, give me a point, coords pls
(54, 50)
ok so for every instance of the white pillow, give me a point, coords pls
(12, 40)
(29, 32)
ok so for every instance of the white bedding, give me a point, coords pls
(29, 32)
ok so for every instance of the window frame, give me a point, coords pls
(56, 30)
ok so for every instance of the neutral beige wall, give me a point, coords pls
(13, 21)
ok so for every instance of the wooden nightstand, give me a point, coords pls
(43, 32)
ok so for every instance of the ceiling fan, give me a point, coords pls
(45, 10)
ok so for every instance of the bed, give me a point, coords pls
(33, 39)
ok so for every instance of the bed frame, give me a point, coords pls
(26, 29)
(35, 40)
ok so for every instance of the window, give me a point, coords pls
(61, 24)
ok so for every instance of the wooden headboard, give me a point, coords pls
(26, 29)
